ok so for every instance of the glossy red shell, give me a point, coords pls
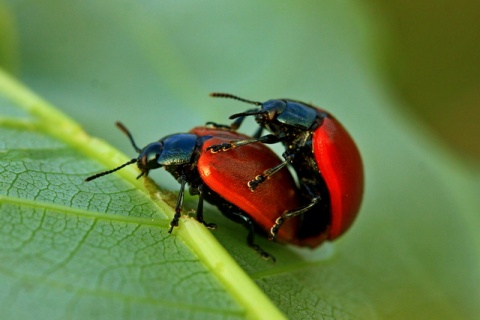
(227, 173)
(340, 164)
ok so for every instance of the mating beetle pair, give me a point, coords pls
(252, 186)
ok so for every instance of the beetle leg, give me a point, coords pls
(239, 120)
(237, 123)
(258, 133)
(253, 184)
(178, 207)
(268, 139)
(290, 214)
(199, 213)
(248, 223)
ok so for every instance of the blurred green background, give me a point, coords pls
(403, 77)
(432, 59)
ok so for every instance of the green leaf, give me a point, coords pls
(101, 247)
(74, 250)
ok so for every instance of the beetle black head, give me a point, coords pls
(146, 160)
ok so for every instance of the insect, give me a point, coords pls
(323, 155)
(221, 179)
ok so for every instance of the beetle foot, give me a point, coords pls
(253, 184)
(211, 226)
(274, 230)
(265, 255)
(173, 224)
(220, 147)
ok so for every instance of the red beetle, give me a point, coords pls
(324, 156)
(228, 174)
(222, 179)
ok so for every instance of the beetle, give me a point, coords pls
(221, 180)
(322, 153)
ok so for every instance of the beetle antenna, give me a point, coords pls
(124, 129)
(231, 96)
(95, 176)
(246, 113)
